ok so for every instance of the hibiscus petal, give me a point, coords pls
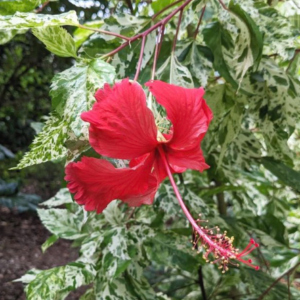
(121, 124)
(187, 159)
(186, 109)
(96, 182)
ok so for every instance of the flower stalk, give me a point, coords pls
(210, 239)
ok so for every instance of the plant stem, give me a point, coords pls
(157, 48)
(138, 68)
(223, 5)
(177, 31)
(104, 32)
(277, 280)
(149, 30)
(201, 233)
(222, 206)
(201, 283)
(129, 4)
(39, 10)
(199, 22)
(165, 8)
(293, 58)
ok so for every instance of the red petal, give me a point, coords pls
(187, 111)
(96, 182)
(190, 159)
(121, 124)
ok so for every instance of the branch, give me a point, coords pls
(200, 20)
(222, 207)
(201, 283)
(146, 32)
(293, 58)
(223, 5)
(104, 32)
(129, 4)
(277, 280)
(165, 8)
(159, 39)
(177, 31)
(138, 68)
(39, 10)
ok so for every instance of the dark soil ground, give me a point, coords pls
(21, 237)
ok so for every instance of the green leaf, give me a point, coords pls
(57, 40)
(113, 214)
(58, 282)
(9, 7)
(158, 5)
(256, 39)
(63, 196)
(81, 35)
(131, 285)
(198, 60)
(249, 43)
(259, 282)
(48, 145)
(7, 35)
(284, 173)
(30, 20)
(72, 91)
(174, 72)
(214, 37)
(49, 242)
(173, 250)
(63, 223)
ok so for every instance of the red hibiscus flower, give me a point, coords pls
(123, 127)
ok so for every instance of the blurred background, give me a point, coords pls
(26, 70)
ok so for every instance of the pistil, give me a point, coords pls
(217, 244)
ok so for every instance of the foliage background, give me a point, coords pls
(247, 60)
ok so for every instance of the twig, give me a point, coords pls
(165, 8)
(293, 58)
(184, 286)
(201, 283)
(277, 280)
(39, 10)
(289, 286)
(296, 4)
(159, 38)
(104, 32)
(199, 22)
(223, 5)
(138, 68)
(129, 4)
(263, 259)
(222, 206)
(177, 31)
(146, 32)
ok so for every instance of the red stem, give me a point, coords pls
(161, 39)
(39, 10)
(138, 68)
(199, 23)
(201, 233)
(177, 31)
(157, 48)
(223, 5)
(149, 30)
(165, 8)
